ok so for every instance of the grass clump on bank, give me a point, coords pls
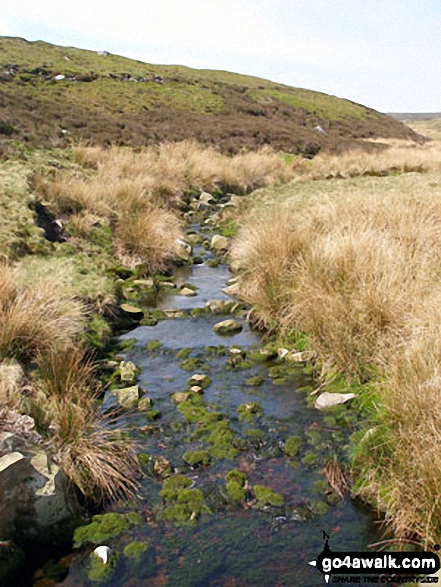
(354, 265)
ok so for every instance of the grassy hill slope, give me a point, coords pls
(105, 98)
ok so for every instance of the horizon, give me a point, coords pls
(382, 56)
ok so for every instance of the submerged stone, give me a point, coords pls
(135, 550)
(200, 379)
(102, 528)
(162, 466)
(187, 292)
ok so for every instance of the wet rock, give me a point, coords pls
(102, 552)
(127, 371)
(219, 243)
(145, 404)
(12, 559)
(293, 445)
(187, 292)
(328, 400)
(33, 488)
(162, 466)
(228, 327)
(196, 389)
(126, 398)
(183, 250)
(180, 396)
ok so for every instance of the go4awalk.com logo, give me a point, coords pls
(374, 567)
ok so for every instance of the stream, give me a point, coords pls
(246, 543)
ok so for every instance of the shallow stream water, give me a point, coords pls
(235, 545)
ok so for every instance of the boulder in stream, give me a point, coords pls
(183, 250)
(228, 327)
(219, 243)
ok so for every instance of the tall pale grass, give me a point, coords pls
(35, 317)
(359, 273)
(89, 447)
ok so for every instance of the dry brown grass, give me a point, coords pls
(36, 317)
(358, 271)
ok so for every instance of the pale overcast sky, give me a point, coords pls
(385, 54)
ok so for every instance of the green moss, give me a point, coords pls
(266, 496)
(173, 485)
(197, 312)
(102, 528)
(184, 354)
(152, 415)
(144, 458)
(310, 458)
(237, 476)
(255, 381)
(127, 345)
(196, 457)
(249, 411)
(293, 445)
(135, 519)
(153, 345)
(192, 364)
(98, 571)
(135, 550)
(189, 503)
(319, 507)
(235, 491)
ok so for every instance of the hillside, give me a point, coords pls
(104, 98)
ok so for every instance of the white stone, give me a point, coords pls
(328, 400)
(219, 242)
(102, 552)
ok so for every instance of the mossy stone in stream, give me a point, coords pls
(319, 507)
(197, 457)
(149, 321)
(194, 364)
(152, 415)
(135, 550)
(162, 466)
(189, 505)
(219, 350)
(184, 354)
(215, 262)
(153, 345)
(235, 491)
(98, 571)
(236, 476)
(126, 345)
(158, 314)
(199, 379)
(180, 396)
(249, 411)
(220, 438)
(102, 528)
(145, 403)
(255, 381)
(293, 445)
(228, 327)
(197, 312)
(173, 485)
(266, 496)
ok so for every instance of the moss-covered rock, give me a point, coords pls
(293, 445)
(237, 476)
(249, 411)
(266, 496)
(255, 381)
(197, 457)
(145, 403)
(235, 491)
(162, 466)
(173, 485)
(102, 528)
(199, 379)
(153, 345)
(184, 354)
(98, 571)
(228, 327)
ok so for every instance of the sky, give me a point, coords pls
(385, 54)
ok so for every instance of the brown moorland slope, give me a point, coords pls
(103, 98)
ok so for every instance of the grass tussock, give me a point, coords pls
(36, 317)
(357, 271)
(94, 455)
